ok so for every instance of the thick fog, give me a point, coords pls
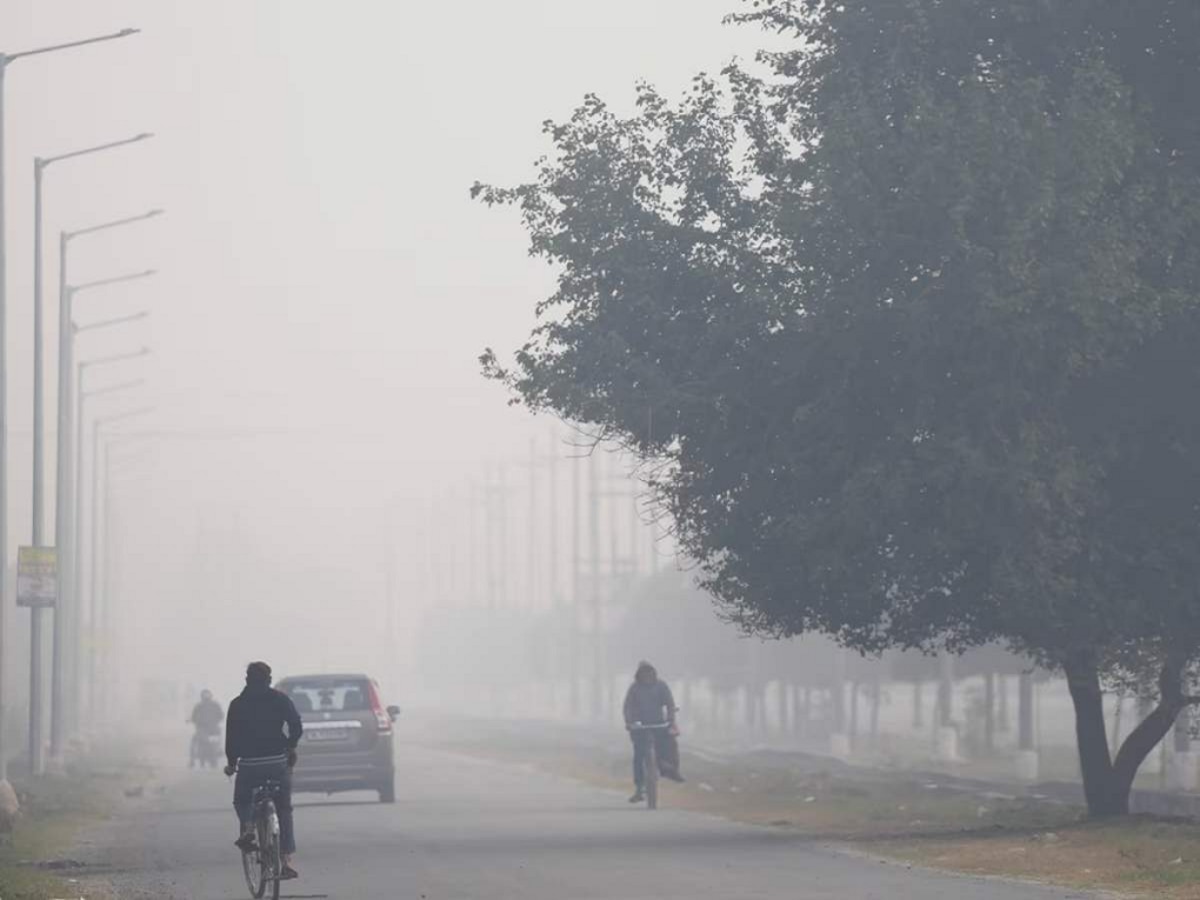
(312, 478)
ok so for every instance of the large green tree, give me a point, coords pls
(902, 321)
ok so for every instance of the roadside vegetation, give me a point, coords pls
(35, 860)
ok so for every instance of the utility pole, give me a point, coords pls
(494, 538)
(450, 556)
(576, 586)
(614, 579)
(553, 594)
(473, 594)
(594, 584)
(389, 599)
(552, 525)
(635, 523)
(531, 579)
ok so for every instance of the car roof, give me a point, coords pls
(328, 676)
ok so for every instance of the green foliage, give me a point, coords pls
(904, 323)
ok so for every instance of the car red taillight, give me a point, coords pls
(382, 719)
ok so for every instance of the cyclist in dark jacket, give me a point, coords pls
(207, 715)
(206, 719)
(649, 702)
(259, 750)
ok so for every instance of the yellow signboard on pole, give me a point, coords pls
(37, 576)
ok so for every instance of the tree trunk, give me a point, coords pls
(1025, 737)
(837, 707)
(853, 713)
(1100, 785)
(918, 719)
(1002, 712)
(989, 711)
(876, 699)
(945, 705)
(800, 697)
(782, 705)
(1107, 782)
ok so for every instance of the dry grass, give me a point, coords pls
(54, 810)
(1139, 856)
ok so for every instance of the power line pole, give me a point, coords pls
(554, 596)
(474, 571)
(635, 524)
(594, 594)
(576, 585)
(552, 526)
(531, 580)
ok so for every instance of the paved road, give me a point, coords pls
(463, 829)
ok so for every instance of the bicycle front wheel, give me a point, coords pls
(652, 776)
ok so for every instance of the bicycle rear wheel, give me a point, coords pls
(253, 869)
(272, 861)
(275, 867)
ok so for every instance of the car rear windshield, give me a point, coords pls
(326, 695)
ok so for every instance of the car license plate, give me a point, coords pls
(327, 734)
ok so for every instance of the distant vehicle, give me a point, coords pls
(207, 750)
(347, 741)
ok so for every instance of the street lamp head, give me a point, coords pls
(126, 32)
(144, 136)
(155, 212)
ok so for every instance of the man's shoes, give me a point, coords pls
(287, 873)
(246, 843)
(637, 797)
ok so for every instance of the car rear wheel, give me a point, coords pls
(387, 790)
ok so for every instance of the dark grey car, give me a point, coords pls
(347, 742)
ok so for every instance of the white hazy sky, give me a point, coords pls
(324, 274)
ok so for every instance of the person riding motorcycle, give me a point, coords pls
(258, 750)
(206, 721)
(649, 702)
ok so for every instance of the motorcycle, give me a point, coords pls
(205, 750)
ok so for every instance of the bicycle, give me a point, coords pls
(263, 864)
(650, 762)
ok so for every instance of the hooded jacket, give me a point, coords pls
(648, 700)
(255, 722)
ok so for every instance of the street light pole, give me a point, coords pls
(73, 665)
(100, 538)
(5, 60)
(40, 164)
(65, 239)
(73, 622)
(66, 364)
